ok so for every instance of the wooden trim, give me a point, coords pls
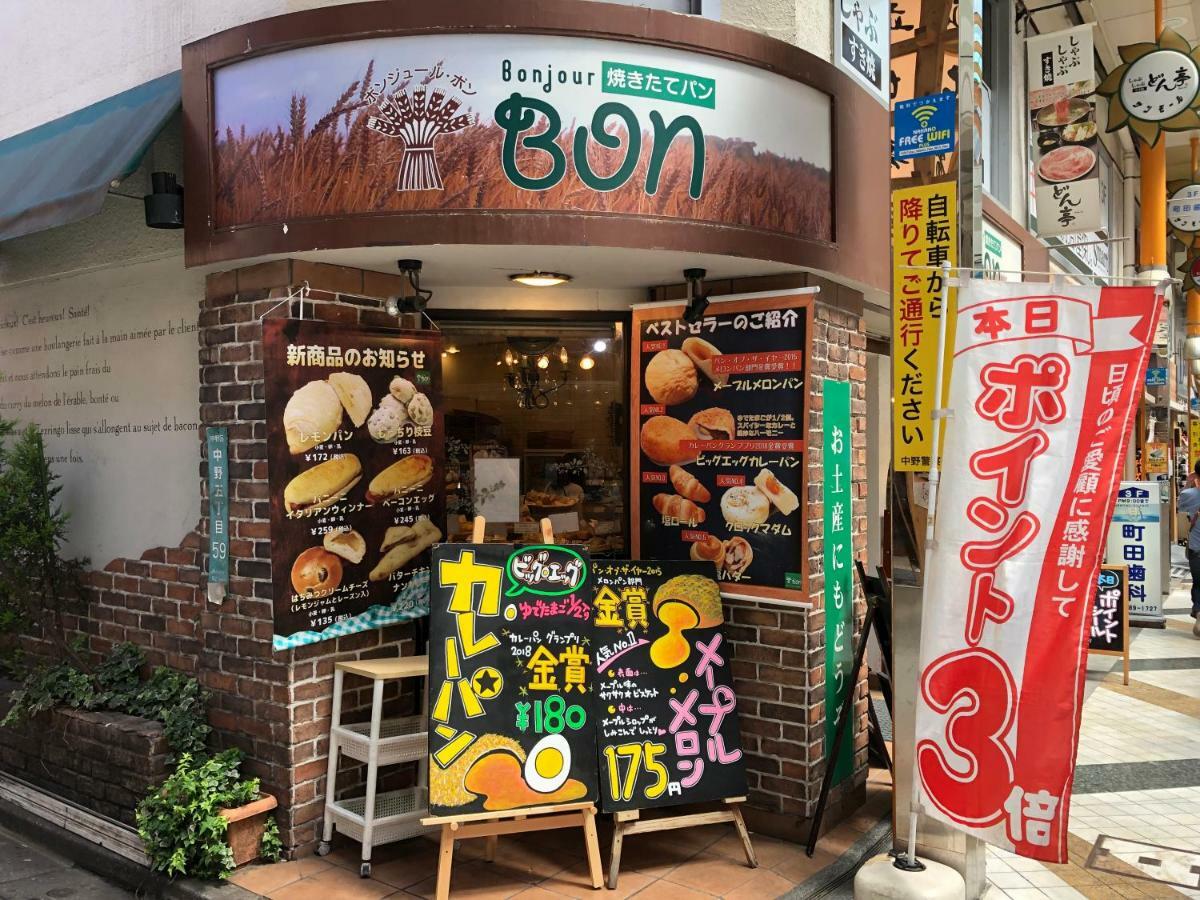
(859, 141)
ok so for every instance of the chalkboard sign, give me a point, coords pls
(1110, 612)
(667, 723)
(510, 673)
(718, 441)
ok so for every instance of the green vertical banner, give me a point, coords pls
(218, 504)
(839, 568)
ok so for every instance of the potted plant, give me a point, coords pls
(206, 819)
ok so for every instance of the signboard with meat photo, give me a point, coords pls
(1064, 133)
(718, 440)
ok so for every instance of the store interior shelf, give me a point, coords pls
(400, 740)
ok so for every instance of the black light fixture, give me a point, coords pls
(697, 301)
(528, 362)
(164, 207)
(418, 299)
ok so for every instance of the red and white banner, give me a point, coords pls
(1043, 390)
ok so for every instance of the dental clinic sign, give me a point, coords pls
(469, 121)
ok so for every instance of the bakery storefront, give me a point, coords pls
(583, 262)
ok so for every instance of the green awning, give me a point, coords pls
(59, 172)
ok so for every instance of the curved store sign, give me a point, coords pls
(412, 131)
(483, 121)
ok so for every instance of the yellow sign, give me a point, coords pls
(924, 234)
(1156, 458)
(1194, 441)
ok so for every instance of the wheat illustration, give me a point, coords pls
(418, 116)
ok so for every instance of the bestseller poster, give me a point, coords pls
(718, 440)
(355, 459)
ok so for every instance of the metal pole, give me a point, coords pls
(939, 413)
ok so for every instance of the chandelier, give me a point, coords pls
(528, 362)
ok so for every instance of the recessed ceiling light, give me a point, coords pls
(586, 363)
(600, 346)
(540, 279)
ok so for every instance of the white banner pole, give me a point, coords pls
(938, 413)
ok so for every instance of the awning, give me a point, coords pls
(59, 172)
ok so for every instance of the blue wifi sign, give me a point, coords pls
(924, 126)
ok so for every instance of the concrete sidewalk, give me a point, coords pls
(30, 870)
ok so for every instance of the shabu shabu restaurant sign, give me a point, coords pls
(518, 122)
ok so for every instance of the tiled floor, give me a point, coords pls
(701, 862)
(1135, 814)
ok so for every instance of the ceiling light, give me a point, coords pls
(509, 359)
(540, 279)
(453, 348)
(586, 363)
(543, 362)
(600, 346)
(562, 355)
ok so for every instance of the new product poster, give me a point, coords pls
(718, 444)
(1064, 134)
(355, 447)
(667, 723)
(511, 670)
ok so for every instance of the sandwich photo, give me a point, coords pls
(322, 485)
(401, 477)
(402, 544)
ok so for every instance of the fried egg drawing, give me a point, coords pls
(548, 764)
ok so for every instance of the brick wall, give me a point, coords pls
(104, 761)
(277, 706)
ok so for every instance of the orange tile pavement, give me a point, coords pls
(701, 862)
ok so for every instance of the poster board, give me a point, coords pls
(355, 450)
(1110, 615)
(667, 722)
(510, 673)
(719, 428)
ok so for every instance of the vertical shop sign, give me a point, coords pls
(1061, 76)
(1193, 441)
(666, 709)
(355, 454)
(1110, 612)
(863, 41)
(839, 567)
(511, 672)
(924, 234)
(217, 441)
(1135, 540)
(1044, 390)
(719, 429)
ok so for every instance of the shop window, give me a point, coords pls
(537, 426)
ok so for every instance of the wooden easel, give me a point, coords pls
(630, 822)
(490, 825)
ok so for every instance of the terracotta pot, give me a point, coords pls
(246, 826)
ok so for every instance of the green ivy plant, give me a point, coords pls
(38, 584)
(168, 696)
(181, 825)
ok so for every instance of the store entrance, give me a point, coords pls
(536, 425)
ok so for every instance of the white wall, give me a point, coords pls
(806, 23)
(57, 56)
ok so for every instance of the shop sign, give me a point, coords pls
(355, 458)
(924, 235)
(1156, 376)
(217, 444)
(510, 670)
(1157, 459)
(863, 39)
(1110, 612)
(720, 422)
(1183, 210)
(667, 718)
(837, 499)
(1003, 258)
(924, 126)
(1044, 391)
(473, 121)
(1193, 438)
(1135, 540)
(1064, 133)
(1155, 88)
